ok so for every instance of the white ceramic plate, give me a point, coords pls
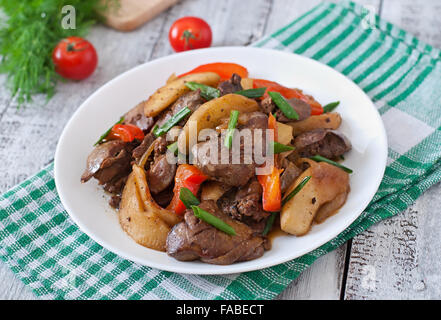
(87, 204)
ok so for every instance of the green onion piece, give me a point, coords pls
(188, 198)
(104, 135)
(296, 190)
(283, 105)
(173, 148)
(171, 122)
(319, 158)
(331, 106)
(269, 223)
(252, 93)
(279, 148)
(213, 220)
(234, 116)
(207, 92)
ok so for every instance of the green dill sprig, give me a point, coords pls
(29, 31)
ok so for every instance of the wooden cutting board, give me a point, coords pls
(133, 13)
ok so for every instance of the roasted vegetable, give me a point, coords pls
(224, 69)
(246, 83)
(149, 203)
(210, 114)
(143, 226)
(284, 133)
(327, 184)
(330, 120)
(187, 176)
(169, 93)
(213, 190)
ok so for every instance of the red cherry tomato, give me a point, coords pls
(125, 132)
(189, 33)
(74, 58)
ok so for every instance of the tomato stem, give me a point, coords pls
(187, 35)
(71, 47)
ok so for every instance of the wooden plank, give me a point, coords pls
(323, 280)
(226, 19)
(399, 257)
(28, 136)
(421, 18)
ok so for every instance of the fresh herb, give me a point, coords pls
(181, 114)
(279, 148)
(284, 105)
(28, 35)
(213, 220)
(104, 135)
(330, 106)
(252, 93)
(188, 198)
(319, 158)
(234, 116)
(207, 92)
(296, 190)
(173, 148)
(269, 223)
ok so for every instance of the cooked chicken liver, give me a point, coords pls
(143, 147)
(232, 174)
(244, 202)
(191, 100)
(136, 117)
(327, 143)
(161, 174)
(194, 239)
(302, 108)
(107, 161)
(289, 175)
(230, 86)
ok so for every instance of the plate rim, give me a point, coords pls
(218, 270)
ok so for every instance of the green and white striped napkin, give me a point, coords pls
(48, 252)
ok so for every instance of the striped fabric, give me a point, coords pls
(402, 75)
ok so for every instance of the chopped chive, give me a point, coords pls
(188, 198)
(171, 122)
(296, 190)
(234, 116)
(269, 223)
(319, 158)
(252, 93)
(173, 148)
(207, 92)
(283, 105)
(213, 220)
(330, 106)
(279, 148)
(105, 134)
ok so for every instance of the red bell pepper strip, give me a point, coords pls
(272, 125)
(125, 132)
(288, 93)
(224, 69)
(187, 176)
(272, 192)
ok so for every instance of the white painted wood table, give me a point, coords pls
(395, 259)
